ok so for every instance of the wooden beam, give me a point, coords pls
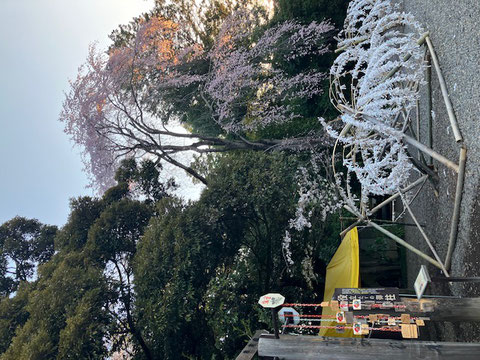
(250, 350)
(445, 309)
(290, 347)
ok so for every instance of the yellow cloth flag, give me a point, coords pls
(343, 271)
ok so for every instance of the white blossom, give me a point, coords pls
(374, 85)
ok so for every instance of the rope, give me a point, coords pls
(340, 327)
(301, 316)
(373, 306)
(312, 316)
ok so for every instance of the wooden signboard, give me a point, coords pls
(378, 295)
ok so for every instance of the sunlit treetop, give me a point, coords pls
(123, 101)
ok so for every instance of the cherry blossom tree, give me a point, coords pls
(247, 90)
(126, 102)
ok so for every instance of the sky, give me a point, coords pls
(42, 44)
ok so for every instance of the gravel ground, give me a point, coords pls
(455, 34)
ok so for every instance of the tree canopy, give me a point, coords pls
(24, 244)
(159, 278)
(125, 102)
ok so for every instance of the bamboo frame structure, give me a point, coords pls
(429, 243)
(400, 241)
(384, 203)
(363, 216)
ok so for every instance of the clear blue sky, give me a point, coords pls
(42, 44)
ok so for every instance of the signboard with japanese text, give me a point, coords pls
(377, 295)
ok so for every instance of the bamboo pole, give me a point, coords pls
(383, 203)
(405, 244)
(405, 203)
(428, 79)
(421, 163)
(386, 222)
(442, 159)
(443, 88)
(356, 42)
(398, 240)
(417, 115)
(456, 210)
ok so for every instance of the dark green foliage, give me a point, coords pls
(311, 10)
(24, 243)
(54, 329)
(200, 269)
(13, 314)
(248, 202)
(171, 269)
(84, 212)
(83, 294)
(117, 229)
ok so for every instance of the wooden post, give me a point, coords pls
(290, 347)
(275, 321)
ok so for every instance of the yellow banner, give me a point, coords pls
(343, 271)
